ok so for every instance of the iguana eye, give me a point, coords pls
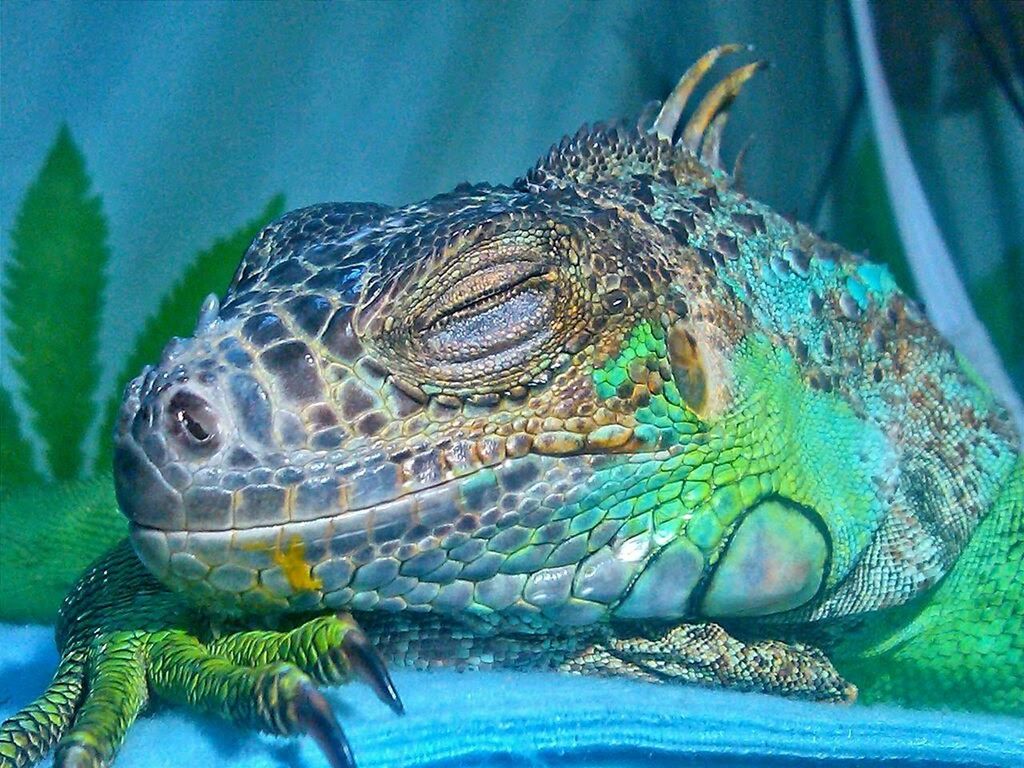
(497, 310)
(502, 309)
(482, 290)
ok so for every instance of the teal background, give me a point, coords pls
(192, 115)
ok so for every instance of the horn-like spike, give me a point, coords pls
(710, 151)
(665, 123)
(737, 167)
(208, 313)
(718, 99)
(647, 116)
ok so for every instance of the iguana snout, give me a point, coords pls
(170, 421)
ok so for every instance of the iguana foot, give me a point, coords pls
(262, 680)
(705, 654)
(266, 680)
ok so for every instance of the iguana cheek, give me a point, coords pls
(774, 562)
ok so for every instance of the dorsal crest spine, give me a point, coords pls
(664, 148)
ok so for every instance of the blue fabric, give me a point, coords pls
(511, 719)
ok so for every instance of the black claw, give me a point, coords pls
(313, 714)
(364, 661)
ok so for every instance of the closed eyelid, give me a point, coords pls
(476, 289)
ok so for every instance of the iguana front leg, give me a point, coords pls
(124, 638)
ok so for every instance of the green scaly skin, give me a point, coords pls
(617, 419)
(962, 644)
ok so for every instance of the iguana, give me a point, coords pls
(616, 418)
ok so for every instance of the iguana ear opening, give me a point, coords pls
(701, 372)
(663, 148)
(687, 368)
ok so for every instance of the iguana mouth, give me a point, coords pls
(300, 489)
(393, 529)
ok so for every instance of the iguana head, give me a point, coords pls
(616, 388)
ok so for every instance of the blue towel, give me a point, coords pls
(511, 719)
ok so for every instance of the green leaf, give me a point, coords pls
(53, 295)
(864, 217)
(16, 465)
(209, 272)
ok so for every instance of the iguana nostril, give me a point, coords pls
(193, 426)
(192, 420)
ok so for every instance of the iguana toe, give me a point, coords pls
(313, 715)
(77, 756)
(364, 661)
